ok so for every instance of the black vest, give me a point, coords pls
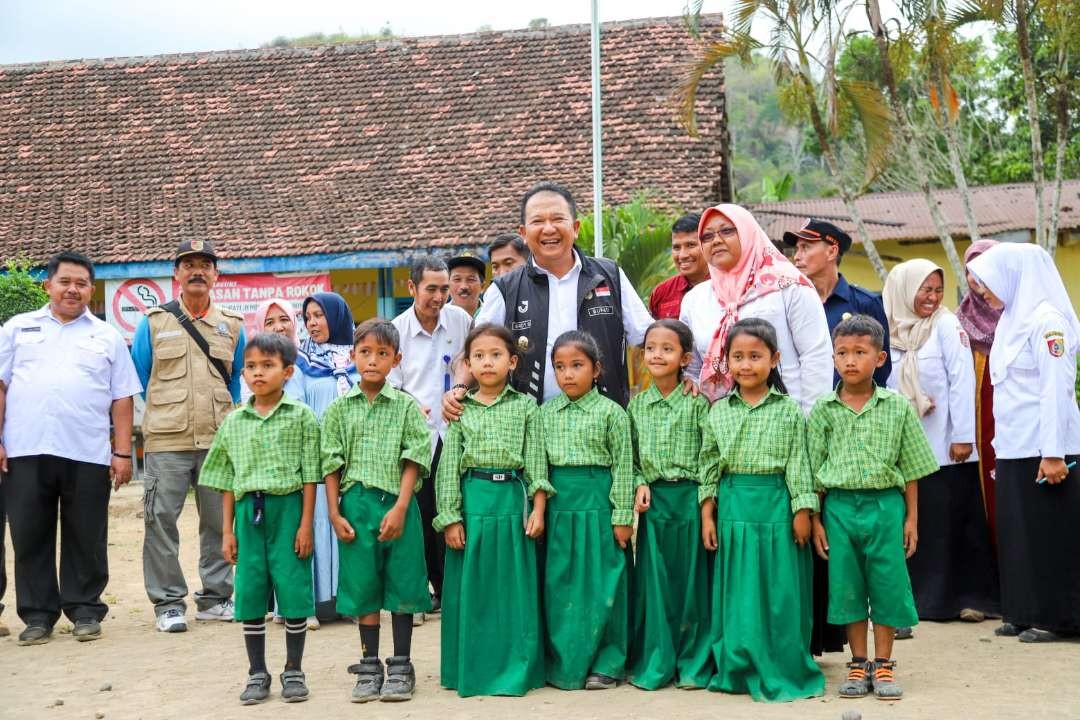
(599, 302)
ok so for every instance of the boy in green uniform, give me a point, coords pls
(265, 461)
(867, 450)
(376, 448)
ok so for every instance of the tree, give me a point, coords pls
(538, 23)
(19, 291)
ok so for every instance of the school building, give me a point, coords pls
(341, 162)
(900, 226)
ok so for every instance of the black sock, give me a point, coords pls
(255, 644)
(402, 627)
(369, 640)
(295, 633)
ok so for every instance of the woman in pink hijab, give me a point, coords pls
(749, 277)
(277, 315)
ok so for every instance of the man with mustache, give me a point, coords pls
(189, 354)
(467, 274)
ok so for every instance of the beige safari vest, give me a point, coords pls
(186, 399)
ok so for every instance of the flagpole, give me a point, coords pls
(597, 139)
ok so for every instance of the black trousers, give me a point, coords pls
(3, 554)
(34, 489)
(434, 543)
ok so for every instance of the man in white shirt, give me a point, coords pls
(432, 335)
(64, 372)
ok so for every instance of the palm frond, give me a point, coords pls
(876, 120)
(692, 17)
(742, 15)
(966, 12)
(711, 55)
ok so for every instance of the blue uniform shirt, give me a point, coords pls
(852, 299)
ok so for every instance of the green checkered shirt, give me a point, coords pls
(764, 439)
(373, 439)
(666, 432)
(593, 430)
(275, 454)
(882, 446)
(502, 436)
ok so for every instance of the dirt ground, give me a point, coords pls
(951, 670)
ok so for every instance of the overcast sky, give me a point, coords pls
(37, 30)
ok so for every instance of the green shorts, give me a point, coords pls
(375, 575)
(267, 561)
(867, 567)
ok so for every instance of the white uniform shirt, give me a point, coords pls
(1035, 412)
(947, 375)
(61, 380)
(424, 371)
(563, 314)
(802, 334)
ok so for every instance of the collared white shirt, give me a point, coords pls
(563, 313)
(802, 334)
(1035, 412)
(947, 376)
(61, 380)
(424, 371)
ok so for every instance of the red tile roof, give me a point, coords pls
(395, 144)
(904, 216)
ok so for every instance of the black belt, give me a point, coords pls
(498, 476)
(260, 507)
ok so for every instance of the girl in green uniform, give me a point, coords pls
(671, 575)
(492, 464)
(586, 586)
(758, 521)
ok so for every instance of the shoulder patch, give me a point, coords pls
(1055, 344)
(964, 339)
(1054, 333)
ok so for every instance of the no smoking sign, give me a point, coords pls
(131, 301)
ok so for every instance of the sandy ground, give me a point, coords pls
(949, 670)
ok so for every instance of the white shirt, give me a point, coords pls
(802, 335)
(61, 380)
(1035, 412)
(947, 375)
(563, 313)
(424, 371)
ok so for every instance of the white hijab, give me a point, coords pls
(907, 330)
(1023, 276)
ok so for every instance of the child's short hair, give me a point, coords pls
(270, 343)
(496, 331)
(380, 330)
(580, 339)
(686, 337)
(861, 325)
(764, 331)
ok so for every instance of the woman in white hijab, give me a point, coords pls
(954, 573)
(1037, 438)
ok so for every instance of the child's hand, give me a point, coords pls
(392, 524)
(643, 499)
(708, 525)
(228, 547)
(623, 533)
(534, 528)
(800, 527)
(455, 536)
(342, 528)
(305, 541)
(821, 541)
(911, 536)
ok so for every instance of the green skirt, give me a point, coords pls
(671, 592)
(491, 633)
(762, 595)
(586, 583)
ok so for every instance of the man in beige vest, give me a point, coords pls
(191, 384)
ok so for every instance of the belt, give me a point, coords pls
(496, 475)
(260, 507)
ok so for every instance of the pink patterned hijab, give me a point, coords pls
(760, 270)
(978, 319)
(264, 310)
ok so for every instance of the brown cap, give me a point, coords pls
(196, 247)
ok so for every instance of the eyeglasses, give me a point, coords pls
(725, 232)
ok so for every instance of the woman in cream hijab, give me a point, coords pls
(954, 573)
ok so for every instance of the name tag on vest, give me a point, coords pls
(601, 310)
(523, 325)
(169, 334)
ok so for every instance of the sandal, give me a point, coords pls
(885, 685)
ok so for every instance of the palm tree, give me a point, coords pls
(804, 36)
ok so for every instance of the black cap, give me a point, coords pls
(468, 258)
(814, 230)
(196, 247)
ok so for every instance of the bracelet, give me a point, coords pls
(121, 455)
(463, 386)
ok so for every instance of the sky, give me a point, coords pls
(40, 30)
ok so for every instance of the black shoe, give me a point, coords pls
(1034, 635)
(436, 604)
(293, 687)
(257, 689)
(597, 681)
(400, 680)
(369, 680)
(1007, 629)
(35, 634)
(86, 630)
(904, 633)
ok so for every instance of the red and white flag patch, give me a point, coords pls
(603, 291)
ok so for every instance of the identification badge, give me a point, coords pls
(222, 329)
(169, 333)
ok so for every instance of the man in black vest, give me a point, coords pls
(557, 290)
